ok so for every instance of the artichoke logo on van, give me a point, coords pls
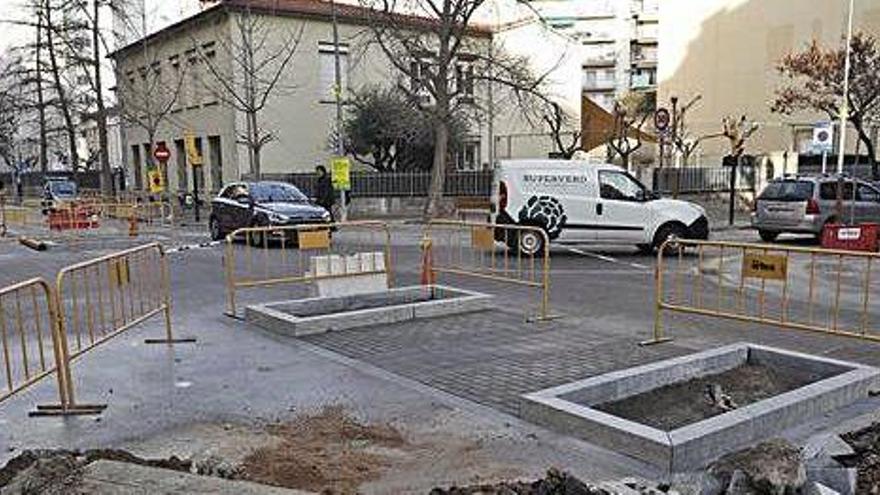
(546, 212)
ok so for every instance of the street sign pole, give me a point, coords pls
(824, 160)
(337, 90)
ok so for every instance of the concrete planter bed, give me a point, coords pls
(777, 389)
(323, 314)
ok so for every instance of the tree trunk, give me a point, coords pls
(254, 145)
(438, 169)
(41, 105)
(872, 152)
(101, 117)
(63, 103)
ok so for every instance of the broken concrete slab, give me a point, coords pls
(119, 478)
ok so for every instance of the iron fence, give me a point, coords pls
(399, 184)
(703, 179)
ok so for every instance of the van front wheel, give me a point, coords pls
(668, 232)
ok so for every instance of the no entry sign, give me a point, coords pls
(161, 153)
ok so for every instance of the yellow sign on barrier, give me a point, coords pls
(483, 238)
(765, 266)
(119, 273)
(313, 239)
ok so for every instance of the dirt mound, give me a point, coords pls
(555, 483)
(58, 471)
(330, 452)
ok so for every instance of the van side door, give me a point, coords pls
(580, 207)
(621, 213)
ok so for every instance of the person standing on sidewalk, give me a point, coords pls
(324, 195)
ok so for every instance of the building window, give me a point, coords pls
(599, 78)
(644, 78)
(327, 74)
(464, 80)
(468, 156)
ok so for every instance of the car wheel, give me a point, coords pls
(767, 235)
(214, 228)
(668, 232)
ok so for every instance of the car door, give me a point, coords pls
(227, 210)
(621, 214)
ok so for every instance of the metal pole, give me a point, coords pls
(824, 160)
(844, 108)
(337, 91)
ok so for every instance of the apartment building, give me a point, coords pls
(618, 40)
(301, 117)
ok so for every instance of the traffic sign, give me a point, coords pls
(161, 153)
(157, 183)
(192, 152)
(823, 137)
(661, 119)
(341, 173)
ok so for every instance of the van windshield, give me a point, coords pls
(788, 190)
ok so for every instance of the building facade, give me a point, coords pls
(180, 59)
(727, 52)
(618, 41)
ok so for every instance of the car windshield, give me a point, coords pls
(788, 190)
(65, 189)
(276, 193)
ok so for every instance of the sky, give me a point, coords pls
(159, 13)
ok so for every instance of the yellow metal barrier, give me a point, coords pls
(272, 256)
(510, 254)
(29, 339)
(818, 290)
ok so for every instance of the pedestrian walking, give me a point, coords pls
(324, 195)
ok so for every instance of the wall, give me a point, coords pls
(727, 50)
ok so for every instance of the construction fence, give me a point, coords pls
(818, 290)
(44, 327)
(308, 256)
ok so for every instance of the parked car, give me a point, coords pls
(804, 204)
(57, 193)
(582, 202)
(257, 204)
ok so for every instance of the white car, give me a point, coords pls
(583, 202)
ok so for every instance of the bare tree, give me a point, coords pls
(46, 12)
(260, 57)
(148, 95)
(443, 56)
(682, 138)
(814, 82)
(630, 114)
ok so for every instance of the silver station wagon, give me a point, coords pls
(804, 204)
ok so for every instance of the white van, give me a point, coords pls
(583, 202)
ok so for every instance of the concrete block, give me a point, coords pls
(344, 311)
(840, 479)
(568, 407)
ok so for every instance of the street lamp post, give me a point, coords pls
(337, 91)
(844, 108)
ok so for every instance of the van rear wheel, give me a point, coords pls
(767, 235)
(527, 242)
